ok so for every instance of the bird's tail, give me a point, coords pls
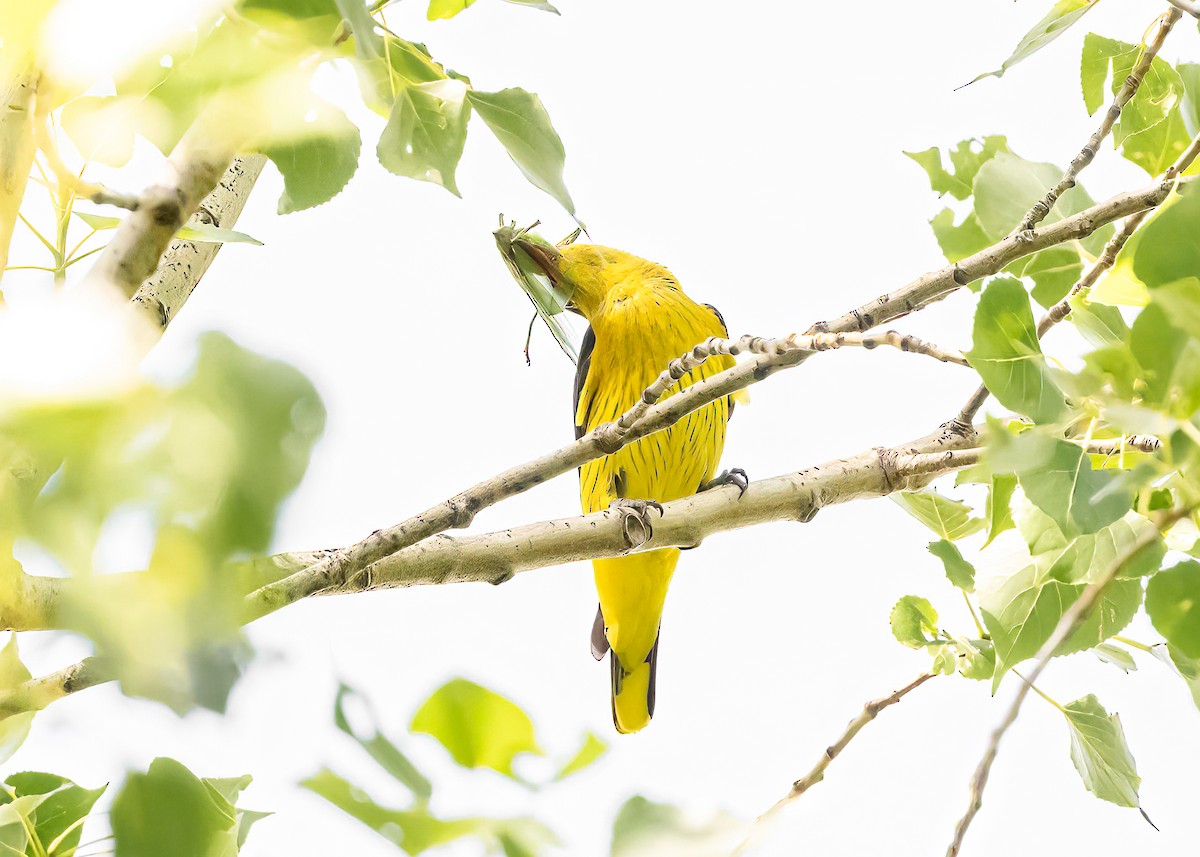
(633, 692)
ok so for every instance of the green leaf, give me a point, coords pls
(958, 571)
(204, 232)
(442, 9)
(589, 752)
(1007, 355)
(998, 510)
(55, 819)
(976, 658)
(379, 747)
(1100, 754)
(14, 728)
(1159, 146)
(958, 241)
(966, 158)
(1062, 15)
(1169, 249)
(367, 42)
(950, 519)
(643, 828)
(1078, 498)
(1007, 186)
(1053, 271)
(1115, 655)
(1169, 360)
(1021, 610)
(1173, 604)
(169, 810)
(1100, 324)
(912, 618)
(317, 165)
(426, 132)
(522, 126)
(1187, 668)
(1160, 91)
(479, 727)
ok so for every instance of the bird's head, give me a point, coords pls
(593, 276)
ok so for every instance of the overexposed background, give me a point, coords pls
(755, 149)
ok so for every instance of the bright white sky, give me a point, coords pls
(757, 153)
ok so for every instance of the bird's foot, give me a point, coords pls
(734, 476)
(635, 518)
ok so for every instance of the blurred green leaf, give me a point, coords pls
(998, 512)
(367, 42)
(414, 831)
(1007, 186)
(1007, 355)
(426, 132)
(100, 128)
(169, 810)
(1115, 655)
(912, 619)
(1169, 249)
(958, 571)
(378, 746)
(1160, 91)
(14, 728)
(317, 164)
(950, 519)
(1099, 752)
(1173, 603)
(1168, 360)
(522, 126)
(644, 828)
(589, 752)
(55, 820)
(1100, 325)
(479, 727)
(441, 9)
(1062, 15)
(965, 158)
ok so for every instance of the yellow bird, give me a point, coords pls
(639, 320)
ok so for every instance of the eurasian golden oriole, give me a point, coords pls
(639, 320)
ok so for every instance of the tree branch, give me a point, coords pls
(193, 170)
(185, 262)
(1079, 163)
(37, 693)
(1191, 8)
(1070, 622)
(817, 773)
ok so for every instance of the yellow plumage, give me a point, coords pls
(640, 320)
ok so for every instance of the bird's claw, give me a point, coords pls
(734, 476)
(635, 519)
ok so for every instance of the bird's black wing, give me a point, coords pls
(581, 372)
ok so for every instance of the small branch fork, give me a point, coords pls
(1128, 89)
(1070, 622)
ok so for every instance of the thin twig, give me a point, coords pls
(1070, 622)
(817, 773)
(36, 693)
(1079, 163)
